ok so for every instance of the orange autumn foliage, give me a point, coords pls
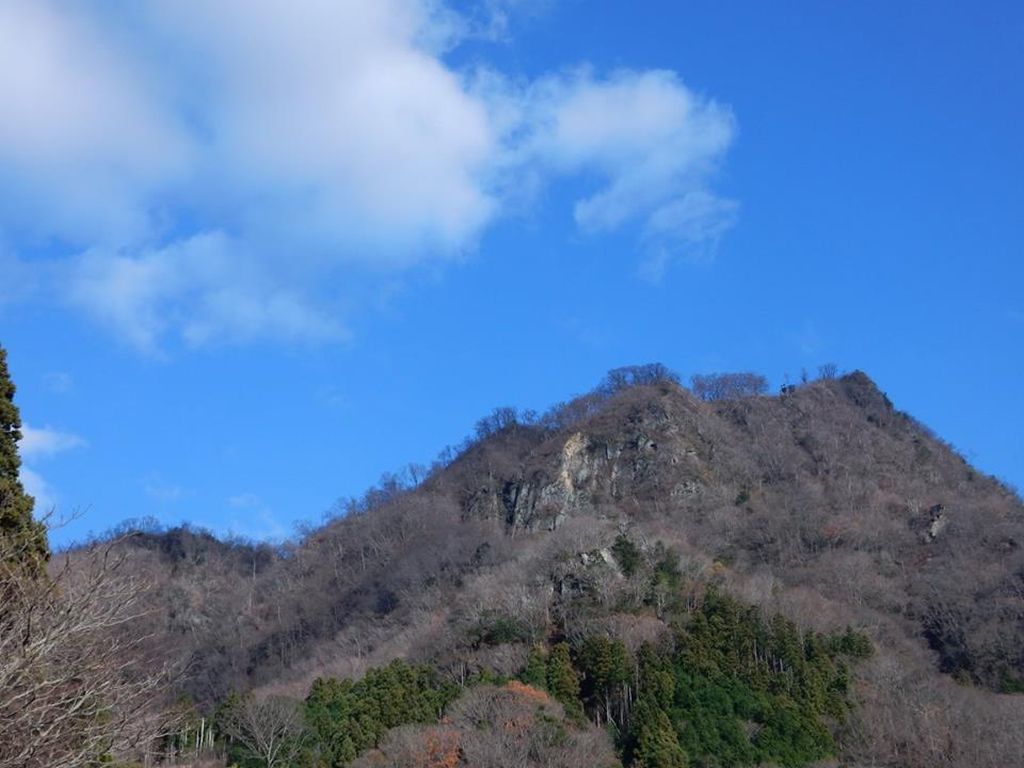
(528, 691)
(441, 749)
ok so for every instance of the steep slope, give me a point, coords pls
(824, 503)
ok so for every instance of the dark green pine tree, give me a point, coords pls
(563, 683)
(607, 669)
(655, 744)
(536, 672)
(657, 680)
(22, 539)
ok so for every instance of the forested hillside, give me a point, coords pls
(646, 575)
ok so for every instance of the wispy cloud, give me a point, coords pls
(586, 332)
(21, 280)
(43, 442)
(244, 501)
(59, 382)
(809, 340)
(652, 140)
(227, 172)
(38, 444)
(206, 288)
(37, 487)
(259, 521)
(686, 228)
(334, 397)
(162, 491)
(493, 19)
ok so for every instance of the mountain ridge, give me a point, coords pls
(823, 503)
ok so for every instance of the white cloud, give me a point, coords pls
(234, 170)
(655, 144)
(338, 120)
(687, 227)
(37, 444)
(83, 145)
(36, 486)
(44, 442)
(207, 287)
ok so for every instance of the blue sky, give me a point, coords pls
(253, 259)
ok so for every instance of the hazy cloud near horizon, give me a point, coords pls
(223, 172)
(38, 443)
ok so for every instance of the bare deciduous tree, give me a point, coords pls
(828, 371)
(618, 379)
(272, 729)
(73, 687)
(728, 386)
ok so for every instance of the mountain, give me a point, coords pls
(611, 516)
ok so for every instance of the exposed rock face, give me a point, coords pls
(937, 524)
(578, 473)
(538, 501)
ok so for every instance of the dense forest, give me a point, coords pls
(649, 574)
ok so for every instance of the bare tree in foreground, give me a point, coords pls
(72, 686)
(271, 729)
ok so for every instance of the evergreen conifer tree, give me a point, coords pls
(536, 672)
(655, 742)
(563, 682)
(21, 538)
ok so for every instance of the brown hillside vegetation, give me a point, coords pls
(824, 504)
(493, 727)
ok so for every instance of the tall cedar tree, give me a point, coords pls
(536, 672)
(656, 744)
(26, 536)
(563, 683)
